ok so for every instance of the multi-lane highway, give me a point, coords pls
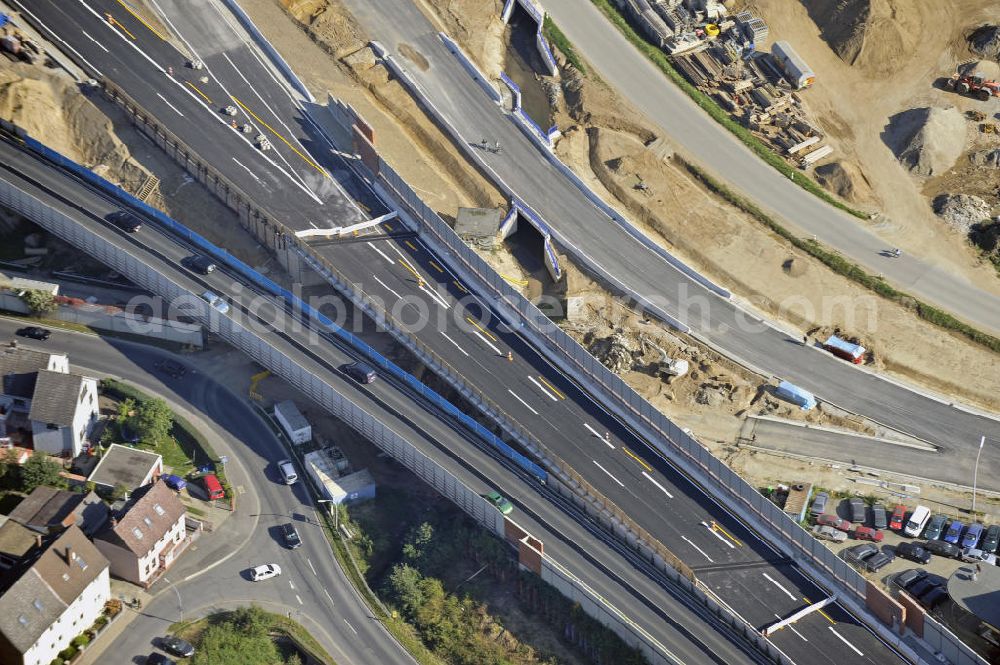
(313, 588)
(686, 631)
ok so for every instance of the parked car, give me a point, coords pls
(159, 659)
(829, 533)
(913, 552)
(868, 533)
(935, 527)
(199, 263)
(177, 646)
(922, 586)
(991, 540)
(213, 487)
(834, 521)
(857, 507)
(878, 561)
(171, 368)
(859, 553)
(265, 572)
(953, 532)
(898, 517)
(879, 520)
(908, 578)
(942, 548)
(360, 372)
(34, 332)
(125, 221)
(291, 536)
(819, 503)
(934, 597)
(216, 302)
(502, 504)
(174, 482)
(973, 533)
(976, 555)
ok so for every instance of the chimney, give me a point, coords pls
(38, 540)
(70, 555)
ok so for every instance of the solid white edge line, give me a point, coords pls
(486, 341)
(56, 36)
(253, 175)
(384, 255)
(454, 342)
(544, 390)
(386, 286)
(662, 488)
(717, 535)
(844, 640)
(778, 617)
(703, 552)
(608, 472)
(87, 35)
(351, 627)
(436, 297)
(176, 110)
(778, 584)
(522, 401)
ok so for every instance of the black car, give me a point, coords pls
(159, 659)
(125, 221)
(34, 332)
(879, 520)
(177, 646)
(291, 536)
(360, 372)
(934, 597)
(878, 561)
(913, 552)
(859, 553)
(942, 548)
(199, 263)
(991, 540)
(935, 527)
(908, 578)
(922, 586)
(171, 368)
(857, 506)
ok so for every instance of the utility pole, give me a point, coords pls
(975, 473)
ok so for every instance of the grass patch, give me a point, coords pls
(561, 42)
(842, 266)
(720, 115)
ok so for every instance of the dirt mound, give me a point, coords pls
(845, 180)
(985, 68)
(986, 158)
(341, 33)
(927, 141)
(875, 35)
(985, 41)
(961, 211)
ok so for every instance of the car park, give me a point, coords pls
(829, 533)
(264, 572)
(868, 533)
(934, 527)
(125, 221)
(991, 539)
(913, 552)
(501, 503)
(177, 646)
(898, 517)
(934, 597)
(859, 553)
(360, 372)
(291, 536)
(976, 555)
(216, 302)
(922, 586)
(171, 368)
(174, 482)
(34, 332)
(857, 508)
(879, 520)
(908, 578)
(972, 534)
(818, 506)
(953, 532)
(199, 263)
(834, 521)
(877, 561)
(941, 548)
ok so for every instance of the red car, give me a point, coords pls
(868, 533)
(834, 521)
(898, 515)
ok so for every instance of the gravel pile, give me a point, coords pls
(986, 158)
(927, 141)
(961, 211)
(985, 41)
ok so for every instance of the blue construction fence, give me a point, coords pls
(225, 258)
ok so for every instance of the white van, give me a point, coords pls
(287, 470)
(918, 520)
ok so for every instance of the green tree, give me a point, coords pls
(40, 469)
(126, 411)
(152, 421)
(242, 638)
(39, 303)
(10, 470)
(415, 547)
(404, 586)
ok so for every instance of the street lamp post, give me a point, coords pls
(975, 472)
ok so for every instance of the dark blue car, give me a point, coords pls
(174, 482)
(953, 531)
(972, 534)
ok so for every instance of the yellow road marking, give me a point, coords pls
(141, 20)
(513, 280)
(436, 266)
(821, 611)
(283, 139)
(551, 387)
(113, 22)
(637, 459)
(462, 288)
(198, 90)
(388, 226)
(481, 329)
(407, 265)
(726, 534)
(410, 245)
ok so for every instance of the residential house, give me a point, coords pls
(49, 510)
(129, 467)
(17, 542)
(41, 398)
(47, 601)
(145, 538)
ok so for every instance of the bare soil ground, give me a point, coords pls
(900, 50)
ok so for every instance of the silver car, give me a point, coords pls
(829, 533)
(975, 555)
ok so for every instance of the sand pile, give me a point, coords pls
(341, 34)
(874, 35)
(985, 41)
(961, 211)
(845, 180)
(927, 141)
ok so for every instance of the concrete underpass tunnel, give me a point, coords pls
(538, 257)
(524, 65)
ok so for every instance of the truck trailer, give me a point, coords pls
(796, 71)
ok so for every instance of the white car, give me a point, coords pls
(265, 572)
(829, 533)
(974, 555)
(215, 301)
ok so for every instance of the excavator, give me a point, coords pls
(974, 86)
